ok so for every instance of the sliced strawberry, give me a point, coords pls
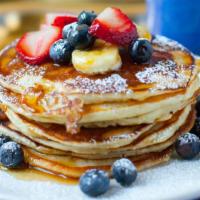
(113, 26)
(33, 47)
(60, 19)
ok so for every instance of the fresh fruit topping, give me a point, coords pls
(60, 19)
(68, 29)
(94, 182)
(80, 38)
(4, 139)
(141, 51)
(143, 32)
(188, 146)
(33, 47)
(124, 171)
(86, 17)
(11, 155)
(61, 51)
(113, 26)
(101, 58)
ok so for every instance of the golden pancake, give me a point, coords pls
(73, 166)
(68, 122)
(102, 140)
(36, 160)
(107, 111)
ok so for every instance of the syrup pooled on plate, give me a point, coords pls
(31, 174)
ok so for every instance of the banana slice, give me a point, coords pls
(143, 32)
(102, 58)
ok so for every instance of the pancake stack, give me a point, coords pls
(68, 122)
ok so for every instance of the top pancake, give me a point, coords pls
(169, 70)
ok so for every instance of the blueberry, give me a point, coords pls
(124, 171)
(141, 51)
(94, 182)
(61, 51)
(188, 146)
(80, 38)
(11, 155)
(4, 139)
(68, 29)
(86, 17)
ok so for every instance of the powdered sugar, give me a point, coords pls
(164, 74)
(11, 146)
(125, 163)
(167, 44)
(5, 98)
(122, 136)
(188, 138)
(112, 84)
(32, 72)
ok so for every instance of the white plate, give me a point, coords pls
(176, 180)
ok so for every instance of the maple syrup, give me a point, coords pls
(32, 174)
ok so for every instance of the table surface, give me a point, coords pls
(130, 7)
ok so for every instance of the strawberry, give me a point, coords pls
(33, 47)
(60, 19)
(113, 26)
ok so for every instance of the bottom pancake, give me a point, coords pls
(35, 159)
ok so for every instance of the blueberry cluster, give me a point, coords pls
(11, 153)
(95, 182)
(75, 36)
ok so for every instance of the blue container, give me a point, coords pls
(176, 19)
